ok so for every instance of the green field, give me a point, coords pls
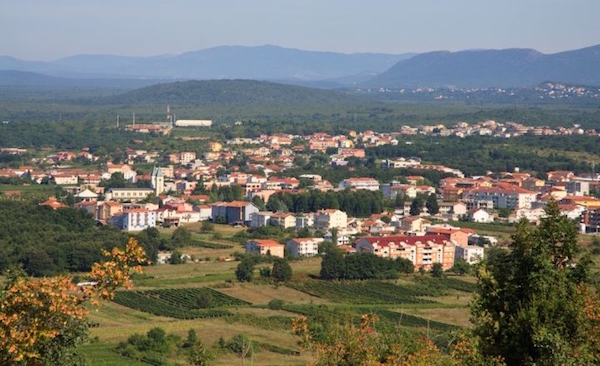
(173, 297)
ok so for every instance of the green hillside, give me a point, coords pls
(230, 92)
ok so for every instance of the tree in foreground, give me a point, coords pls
(535, 304)
(43, 320)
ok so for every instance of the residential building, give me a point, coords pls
(328, 219)
(128, 194)
(265, 247)
(503, 196)
(235, 212)
(303, 247)
(414, 224)
(590, 222)
(283, 219)
(470, 253)
(457, 235)
(360, 183)
(479, 215)
(134, 220)
(422, 251)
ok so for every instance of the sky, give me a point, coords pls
(43, 30)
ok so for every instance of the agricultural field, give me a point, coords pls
(205, 296)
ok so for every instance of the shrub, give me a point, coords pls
(276, 304)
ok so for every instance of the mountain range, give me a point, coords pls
(325, 70)
(225, 62)
(492, 68)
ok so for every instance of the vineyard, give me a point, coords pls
(387, 318)
(365, 292)
(440, 286)
(186, 303)
(209, 245)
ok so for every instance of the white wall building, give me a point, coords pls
(470, 253)
(303, 247)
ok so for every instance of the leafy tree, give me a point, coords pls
(25, 340)
(191, 339)
(199, 355)
(350, 345)
(432, 204)
(461, 267)
(416, 206)
(282, 271)
(243, 272)
(176, 257)
(405, 265)
(437, 271)
(276, 304)
(534, 305)
(207, 226)
(265, 272)
(332, 266)
(259, 202)
(205, 300)
(180, 237)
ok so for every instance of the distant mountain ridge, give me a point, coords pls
(224, 62)
(205, 93)
(492, 68)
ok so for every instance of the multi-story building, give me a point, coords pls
(422, 251)
(590, 222)
(470, 253)
(134, 220)
(503, 196)
(128, 194)
(303, 247)
(265, 247)
(329, 219)
(235, 212)
(360, 183)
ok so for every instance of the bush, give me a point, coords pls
(276, 304)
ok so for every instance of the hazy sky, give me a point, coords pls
(51, 29)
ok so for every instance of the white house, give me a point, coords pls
(134, 220)
(470, 253)
(303, 247)
(479, 215)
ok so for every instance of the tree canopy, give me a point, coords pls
(535, 305)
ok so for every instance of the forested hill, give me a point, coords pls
(229, 92)
(492, 68)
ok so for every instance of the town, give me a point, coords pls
(243, 182)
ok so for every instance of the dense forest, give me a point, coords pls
(48, 242)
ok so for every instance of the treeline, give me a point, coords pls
(361, 266)
(359, 203)
(47, 242)
(68, 135)
(366, 168)
(477, 154)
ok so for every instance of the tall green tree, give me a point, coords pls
(533, 305)
(433, 207)
(332, 266)
(416, 206)
(282, 271)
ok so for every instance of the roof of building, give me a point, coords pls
(384, 241)
(265, 242)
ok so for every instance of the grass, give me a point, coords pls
(265, 326)
(102, 354)
(262, 294)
